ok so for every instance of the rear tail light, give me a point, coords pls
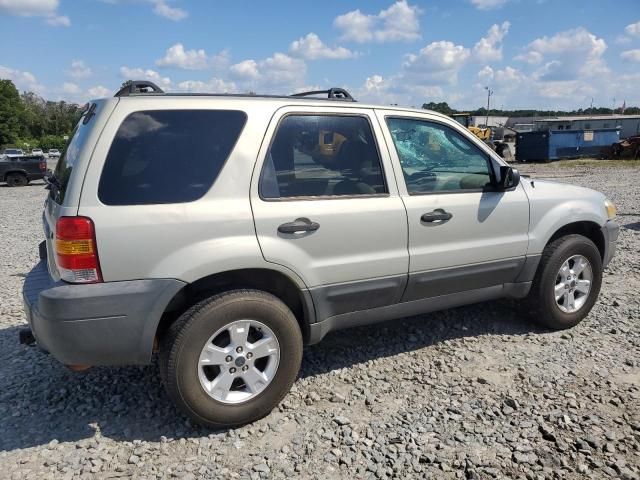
(76, 250)
(43, 165)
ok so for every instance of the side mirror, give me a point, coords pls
(509, 178)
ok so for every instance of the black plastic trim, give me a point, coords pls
(110, 323)
(416, 307)
(139, 87)
(335, 299)
(434, 283)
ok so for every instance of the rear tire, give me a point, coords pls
(17, 180)
(203, 387)
(567, 264)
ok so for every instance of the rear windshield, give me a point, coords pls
(168, 156)
(68, 159)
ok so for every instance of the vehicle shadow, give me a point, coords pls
(632, 226)
(41, 401)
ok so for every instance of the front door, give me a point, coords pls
(326, 206)
(463, 235)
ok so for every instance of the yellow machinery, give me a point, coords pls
(464, 119)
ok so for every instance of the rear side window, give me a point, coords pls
(322, 156)
(168, 156)
(69, 157)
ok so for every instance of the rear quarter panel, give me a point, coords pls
(185, 241)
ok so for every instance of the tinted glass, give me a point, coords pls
(168, 156)
(435, 157)
(322, 155)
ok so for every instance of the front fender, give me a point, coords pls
(555, 205)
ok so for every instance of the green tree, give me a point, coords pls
(11, 113)
(442, 107)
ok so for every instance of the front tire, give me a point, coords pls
(566, 284)
(230, 359)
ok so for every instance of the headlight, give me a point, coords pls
(611, 208)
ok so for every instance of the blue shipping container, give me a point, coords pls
(556, 144)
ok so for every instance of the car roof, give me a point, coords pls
(280, 100)
(336, 95)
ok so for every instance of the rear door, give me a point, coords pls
(326, 206)
(462, 235)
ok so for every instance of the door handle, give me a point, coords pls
(299, 225)
(437, 217)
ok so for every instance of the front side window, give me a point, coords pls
(436, 158)
(168, 156)
(320, 156)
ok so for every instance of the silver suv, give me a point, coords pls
(225, 232)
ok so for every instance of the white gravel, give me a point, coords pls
(474, 392)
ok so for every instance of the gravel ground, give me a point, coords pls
(474, 392)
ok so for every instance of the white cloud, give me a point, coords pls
(247, 69)
(99, 91)
(279, 71)
(569, 55)
(509, 77)
(172, 13)
(437, 63)
(58, 21)
(399, 22)
(177, 56)
(23, 80)
(488, 4)
(633, 29)
(36, 8)
(283, 69)
(142, 74)
(631, 55)
(530, 57)
(29, 8)
(215, 85)
(489, 48)
(79, 70)
(160, 8)
(312, 48)
(486, 74)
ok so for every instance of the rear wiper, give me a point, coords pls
(52, 182)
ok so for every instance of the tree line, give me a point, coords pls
(443, 107)
(28, 121)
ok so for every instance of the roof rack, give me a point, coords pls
(138, 86)
(332, 94)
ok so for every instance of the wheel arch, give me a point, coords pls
(267, 280)
(586, 228)
(10, 172)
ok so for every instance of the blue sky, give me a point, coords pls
(531, 53)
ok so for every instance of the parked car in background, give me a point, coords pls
(37, 152)
(18, 171)
(13, 152)
(288, 218)
(53, 153)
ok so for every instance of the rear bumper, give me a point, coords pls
(97, 324)
(610, 232)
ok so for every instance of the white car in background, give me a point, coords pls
(37, 151)
(53, 153)
(13, 152)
